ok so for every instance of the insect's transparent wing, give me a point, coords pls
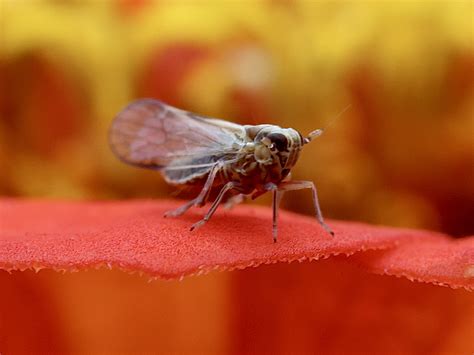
(151, 134)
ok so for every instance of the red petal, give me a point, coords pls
(134, 236)
(440, 261)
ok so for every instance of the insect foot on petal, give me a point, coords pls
(327, 229)
(179, 211)
(197, 224)
(169, 214)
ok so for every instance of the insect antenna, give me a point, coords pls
(317, 132)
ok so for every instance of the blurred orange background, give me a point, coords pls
(402, 155)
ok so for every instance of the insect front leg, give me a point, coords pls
(229, 186)
(277, 196)
(201, 199)
(299, 185)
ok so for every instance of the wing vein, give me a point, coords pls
(151, 134)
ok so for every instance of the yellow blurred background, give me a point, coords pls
(402, 154)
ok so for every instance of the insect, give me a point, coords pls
(218, 157)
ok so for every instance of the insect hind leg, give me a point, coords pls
(227, 187)
(201, 199)
(182, 209)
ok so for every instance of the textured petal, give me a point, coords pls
(440, 261)
(134, 236)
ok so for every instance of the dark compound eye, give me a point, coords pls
(280, 141)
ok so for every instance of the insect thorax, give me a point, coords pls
(268, 156)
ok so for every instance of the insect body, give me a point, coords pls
(215, 155)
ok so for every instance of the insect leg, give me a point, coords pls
(299, 185)
(234, 200)
(229, 186)
(201, 198)
(269, 187)
(277, 195)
